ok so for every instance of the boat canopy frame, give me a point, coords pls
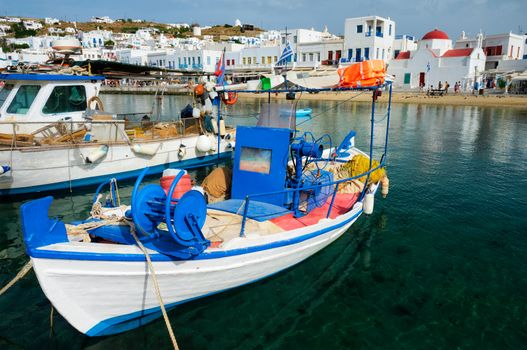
(387, 85)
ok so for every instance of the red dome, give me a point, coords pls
(435, 34)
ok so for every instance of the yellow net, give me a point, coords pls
(360, 164)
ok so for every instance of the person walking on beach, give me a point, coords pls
(447, 85)
(456, 87)
(439, 85)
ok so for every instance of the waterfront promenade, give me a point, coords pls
(460, 99)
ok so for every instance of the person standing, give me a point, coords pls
(447, 85)
(439, 85)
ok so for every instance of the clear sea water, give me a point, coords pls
(441, 264)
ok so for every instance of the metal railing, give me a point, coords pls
(336, 183)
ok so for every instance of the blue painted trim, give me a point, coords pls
(137, 319)
(52, 254)
(50, 77)
(185, 164)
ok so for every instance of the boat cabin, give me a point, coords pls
(31, 101)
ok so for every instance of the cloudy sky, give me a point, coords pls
(411, 16)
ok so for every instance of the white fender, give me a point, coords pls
(222, 127)
(213, 143)
(4, 169)
(385, 186)
(182, 152)
(208, 106)
(146, 149)
(203, 144)
(214, 122)
(98, 154)
(367, 203)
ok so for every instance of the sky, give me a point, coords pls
(414, 17)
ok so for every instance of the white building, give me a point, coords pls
(319, 53)
(435, 60)
(13, 19)
(95, 38)
(103, 19)
(132, 56)
(252, 59)
(4, 29)
(370, 37)
(497, 47)
(179, 25)
(32, 25)
(51, 21)
(403, 43)
(300, 36)
(53, 30)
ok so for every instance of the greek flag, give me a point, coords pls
(286, 55)
(428, 67)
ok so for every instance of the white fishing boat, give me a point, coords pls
(54, 135)
(290, 197)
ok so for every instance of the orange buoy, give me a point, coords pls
(229, 98)
(198, 90)
(183, 186)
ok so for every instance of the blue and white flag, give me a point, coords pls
(286, 55)
(428, 67)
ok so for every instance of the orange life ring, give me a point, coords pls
(230, 99)
(199, 89)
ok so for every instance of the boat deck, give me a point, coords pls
(221, 226)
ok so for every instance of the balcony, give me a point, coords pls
(377, 34)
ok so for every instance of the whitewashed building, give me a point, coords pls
(403, 43)
(95, 38)
(32, 25)
(370, 37)
(132, 56)
(103, 19)
(435, 60)
(13, 19)
(321, 53)
(497, 47)
(4, 29)
(51, 21)
(252, 59)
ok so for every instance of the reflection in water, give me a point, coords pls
(439, 264)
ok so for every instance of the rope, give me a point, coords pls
(330, 108)
(72, 230)
(156, 286)
(23, 271)
(51, 325)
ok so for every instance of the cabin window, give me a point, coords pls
(23, 99)
(257, 160)
(66, 99)
(4, 92)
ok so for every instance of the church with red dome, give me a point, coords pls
(435, 60)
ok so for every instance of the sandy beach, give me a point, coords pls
(409, 97)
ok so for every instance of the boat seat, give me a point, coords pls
(258, 211)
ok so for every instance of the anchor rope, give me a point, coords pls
(97, 212)
(156, 287)
(82, 229)
(23, 271)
